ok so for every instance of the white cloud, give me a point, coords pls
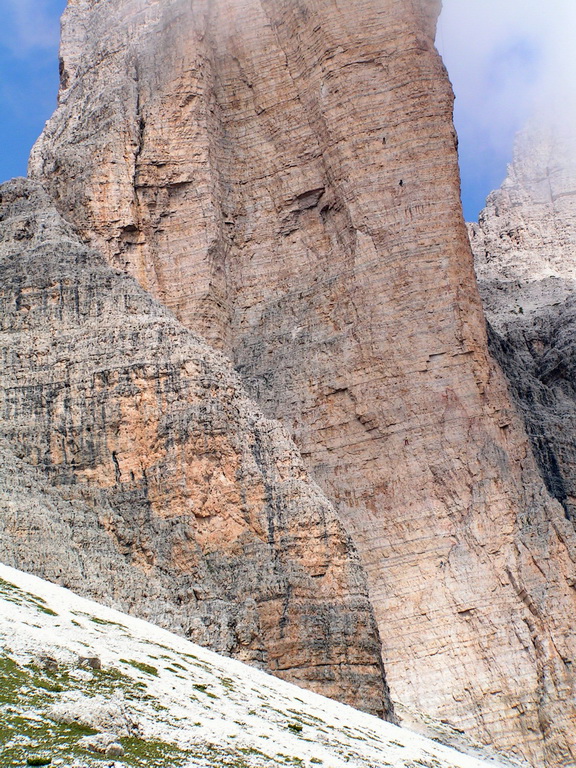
(507, 59)
(29, 25)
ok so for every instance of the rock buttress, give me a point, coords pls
(525, 254)
(136, 471)
(283, 175)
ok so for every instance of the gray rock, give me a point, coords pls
(283, 175)
(92, 662)
(137, 472)
(114, 750)
(49, 663)
(104, 743)
(525, 256)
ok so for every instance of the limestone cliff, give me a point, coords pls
(282, 174)
(135, 470)
(525, 254)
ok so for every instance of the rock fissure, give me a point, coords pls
(146, 462)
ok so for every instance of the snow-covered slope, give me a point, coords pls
(72, 668)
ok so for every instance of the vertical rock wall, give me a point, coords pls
(525, 252)
(135, 470)
(283, 175)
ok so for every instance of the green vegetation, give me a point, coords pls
(204, 689)
(13, 594)
(306, 718)
(106, 623)
(152, 754)
(29, 737)
(252, 751)
(28, 734)
(140, 665)
(287, 760)
(26, 737)
(175, 672)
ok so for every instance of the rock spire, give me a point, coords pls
(282, 175)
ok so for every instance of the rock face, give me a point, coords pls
(137, 471)
(525, 254)
(282, 174)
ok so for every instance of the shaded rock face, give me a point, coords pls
(525, 252)
(136, 470)
(283, 176)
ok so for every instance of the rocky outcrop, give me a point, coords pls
(136, 470)
(525, 252)
(283, 176)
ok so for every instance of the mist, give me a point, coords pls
(509, 61)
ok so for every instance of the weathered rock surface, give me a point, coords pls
(525, 253)
(283, 175)
(135, 470)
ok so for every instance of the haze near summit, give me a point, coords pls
(508, 60)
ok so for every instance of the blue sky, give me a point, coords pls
(500, 54)
(508, 60)
(29, 35)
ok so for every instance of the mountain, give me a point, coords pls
(80, 680)
(278, 180)
(156, 485)
(525, 252)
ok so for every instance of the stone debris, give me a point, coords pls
(109, 714)
(91, 662)
(105, 743)
(49, 663)
(196, 710)
(149, 480)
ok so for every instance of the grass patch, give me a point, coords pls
(27, 733)
(23, 740)
(105, 622)
(287, 759)
(140, 665)
(141, 753)
(175, 672)
(28, 684)
(13, 594)
(204, 689)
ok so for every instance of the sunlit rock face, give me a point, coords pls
(525, 252)
(136, 470)
(282, 174)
